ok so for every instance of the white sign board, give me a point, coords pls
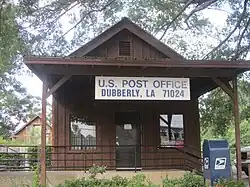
(141, 88)
(220, 163)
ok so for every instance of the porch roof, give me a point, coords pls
(240, 64)
(200, 71)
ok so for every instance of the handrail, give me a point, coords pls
(65, 158)
(8, 148)
(197, 161)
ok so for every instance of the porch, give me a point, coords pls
(58, 158)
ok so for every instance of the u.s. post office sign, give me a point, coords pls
(141, 88)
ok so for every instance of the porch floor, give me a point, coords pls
(10, 179)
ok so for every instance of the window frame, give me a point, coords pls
(179, 146)
(83, 147)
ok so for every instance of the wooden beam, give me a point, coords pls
(131, 62)
(43, 138)
(134, 71)
(237, 128)
(224, 87)
(58, 85)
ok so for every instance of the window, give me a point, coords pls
(124, 48)
(83, 133)
(171, 130)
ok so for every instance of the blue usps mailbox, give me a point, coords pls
(216, 160)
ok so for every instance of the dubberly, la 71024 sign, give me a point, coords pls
(141, 88)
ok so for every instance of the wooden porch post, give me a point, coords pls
(45, 95)
(233, 93)
(43, 138)
(237, 128)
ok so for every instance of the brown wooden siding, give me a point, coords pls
(73, 97)
(139, 48)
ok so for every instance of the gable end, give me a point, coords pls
(93, 48)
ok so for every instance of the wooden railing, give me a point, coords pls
(25, 158)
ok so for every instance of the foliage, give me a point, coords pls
(15, 107)
(57, 27)
(35, 179)
(212, 106)
(117, 181)
(94, 170)
(216, 112)
(139, 180)
(16, 104)
(244, 140)
(230, 183)
(10, 41)
(188, 180)
(11, 159)
(7, 142)
(33, 156)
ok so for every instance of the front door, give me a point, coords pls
(128, 140)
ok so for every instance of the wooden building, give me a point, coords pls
(100, 115)
(30, 132)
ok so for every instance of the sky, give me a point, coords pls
(34, 85)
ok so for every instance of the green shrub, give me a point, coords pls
(33, 156)
(189, 180)
(171, 182)
(230, 183)
(117, 181)
(12, 160)
(192, 180)
(94, 170)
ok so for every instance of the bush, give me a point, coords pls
(194, 180)
(230, 183)
(94, 170)
(12, 160)
(33, 156)
(117, 181)
(189, 180)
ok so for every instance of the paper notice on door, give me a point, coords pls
(127, 126)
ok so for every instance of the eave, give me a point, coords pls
(138, 63)
(199, 71)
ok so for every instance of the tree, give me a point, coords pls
(216, 113)
(15, 103)
(216, 110)
(52, 38)
(165, 19)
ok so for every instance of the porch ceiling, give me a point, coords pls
(200, 72)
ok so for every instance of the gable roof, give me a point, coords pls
(27, 124)
(125, 23)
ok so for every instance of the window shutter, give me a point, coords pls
(124, 48)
